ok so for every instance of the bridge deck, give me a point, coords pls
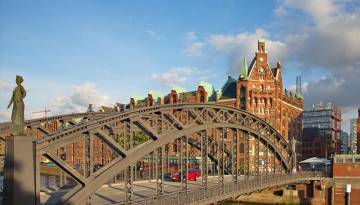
(228, 190)
(144, 191)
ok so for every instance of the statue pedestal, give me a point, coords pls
(20, 171)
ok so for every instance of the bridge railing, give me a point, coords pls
(224, 191)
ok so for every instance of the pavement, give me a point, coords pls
(114, 193)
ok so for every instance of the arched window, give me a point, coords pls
(243, 97)
(202, 99)
(261, 88)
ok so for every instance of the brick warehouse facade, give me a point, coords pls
(346, 170)
(258, 90)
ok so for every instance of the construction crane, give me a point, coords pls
(45, 111)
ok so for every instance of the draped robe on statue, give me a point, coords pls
(17, 116)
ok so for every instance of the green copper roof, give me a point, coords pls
(178, 89)
(156, 95)
(298, 95)
(244, 70)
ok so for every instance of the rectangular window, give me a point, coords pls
(241, 147)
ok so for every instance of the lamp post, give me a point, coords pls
(347, 193)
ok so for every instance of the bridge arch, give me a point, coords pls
(163, 124)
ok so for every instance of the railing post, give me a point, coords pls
(234, 156)
(204, 156)
(21, 171)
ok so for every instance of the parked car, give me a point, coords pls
(191, 175)
(167, 177)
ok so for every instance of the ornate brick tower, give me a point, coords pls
(259, 90)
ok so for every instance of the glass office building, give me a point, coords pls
(328, 119)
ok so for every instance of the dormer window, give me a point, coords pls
(261, 73)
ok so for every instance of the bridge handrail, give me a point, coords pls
(7, 125)
(227, 190)
(127, 113)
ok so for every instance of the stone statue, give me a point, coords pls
(17, 116)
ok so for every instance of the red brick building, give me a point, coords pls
(313, 144)
(258, 90)
(327, 118)
(346, 170)
(358, 133)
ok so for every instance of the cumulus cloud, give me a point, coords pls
(245, 44)
(312, 34)
(194, 49)
(190, 36)
(304, 87)
(153, 34)
(331, 38)
(5, 86)
(78, 99)
(176, 76)
(326, 37)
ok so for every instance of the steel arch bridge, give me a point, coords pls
(214, 132)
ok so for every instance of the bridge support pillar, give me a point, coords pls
(22, 177)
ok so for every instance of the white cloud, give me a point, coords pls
(194, 49)
(347, 114)
(245, 44)
(237, 46)
(153, 34)
(326, 35)
(190, 36)
(280, 11)
(331, 37)
(5, 86)
(176, 76)
(320, 10)
(78, 99)
(304, 87)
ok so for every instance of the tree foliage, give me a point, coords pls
(139, 138)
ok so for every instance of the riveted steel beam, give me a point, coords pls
(168, 132)
(111, 142)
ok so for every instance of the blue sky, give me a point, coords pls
(71, 53)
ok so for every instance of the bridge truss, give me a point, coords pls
(225, 139)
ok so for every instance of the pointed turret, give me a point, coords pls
(244, 70)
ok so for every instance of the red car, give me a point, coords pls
(191, 175)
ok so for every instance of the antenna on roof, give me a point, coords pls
(298, 85)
